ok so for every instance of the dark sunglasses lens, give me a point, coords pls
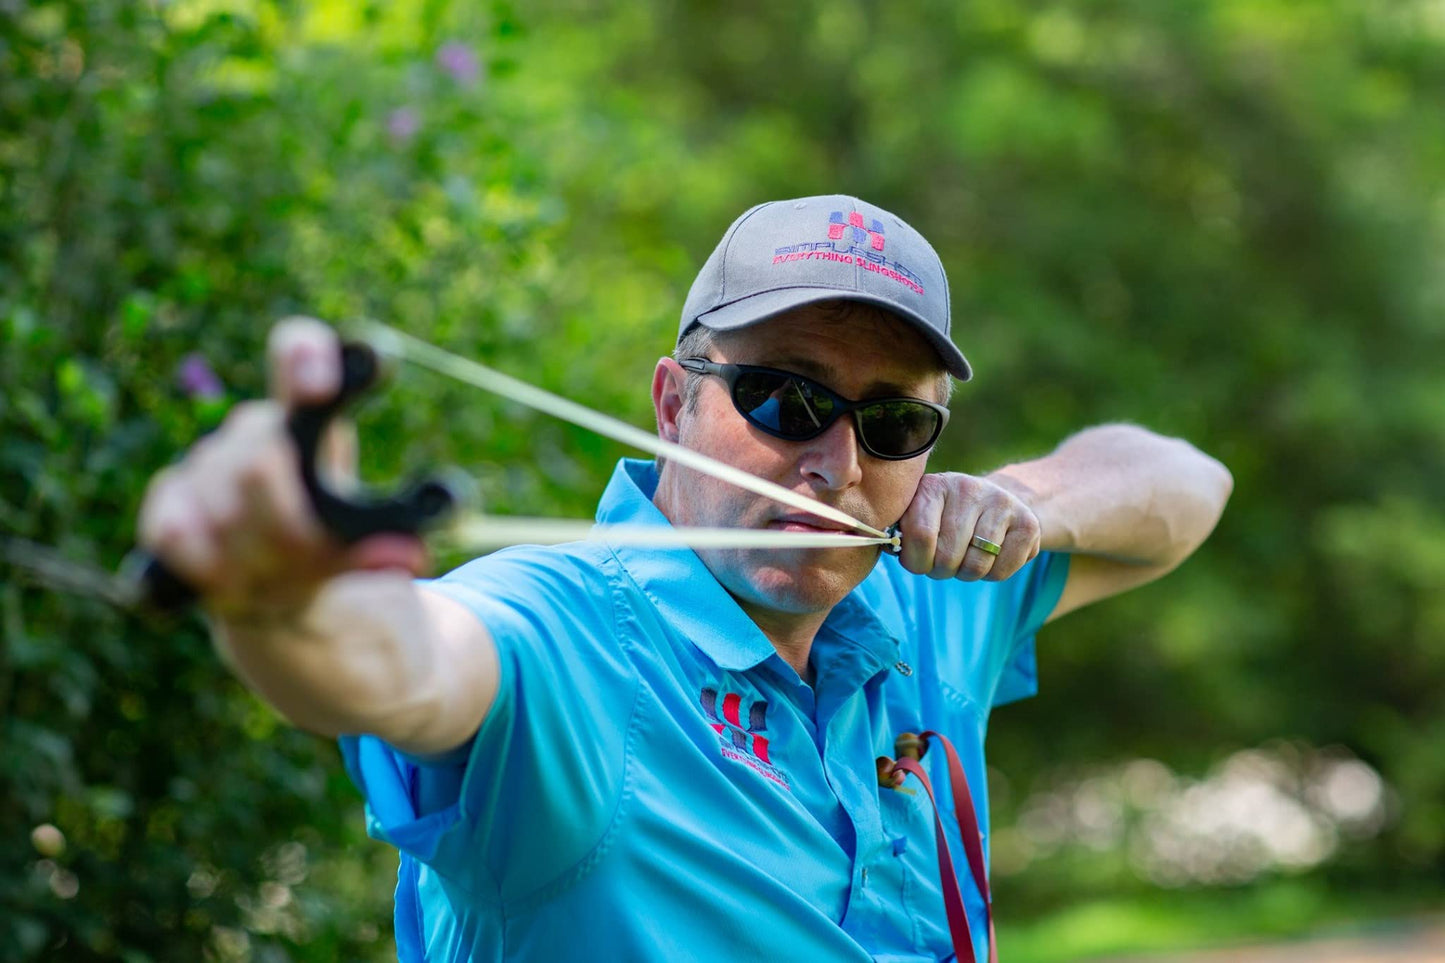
(786, 406)
(897, 428)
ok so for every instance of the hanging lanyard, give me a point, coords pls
(968, 830)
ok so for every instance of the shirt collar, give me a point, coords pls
(692, 599)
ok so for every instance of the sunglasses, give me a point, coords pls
(794, 408)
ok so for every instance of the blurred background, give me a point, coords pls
(1223, 219)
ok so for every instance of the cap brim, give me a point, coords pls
(749, 311)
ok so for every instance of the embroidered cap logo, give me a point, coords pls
(839, 226)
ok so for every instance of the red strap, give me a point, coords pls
(969, 832)
(952, 899)
(967, 816)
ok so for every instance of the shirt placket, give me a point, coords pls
(848, 707)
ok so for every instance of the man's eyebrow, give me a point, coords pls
(825, 373)
(828, 375)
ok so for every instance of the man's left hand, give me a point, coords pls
(948, 510)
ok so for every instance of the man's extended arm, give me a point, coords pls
(338, 638)
(371, 654)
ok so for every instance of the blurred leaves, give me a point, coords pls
(1222, 218)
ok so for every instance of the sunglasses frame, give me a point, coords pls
(730, 373)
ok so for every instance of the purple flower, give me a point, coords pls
(402, 124)
(459, 61)
(197, 379)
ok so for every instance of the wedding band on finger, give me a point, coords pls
(984, 545)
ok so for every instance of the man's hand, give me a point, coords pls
(233, 519)
(948, 510)
(306, 621)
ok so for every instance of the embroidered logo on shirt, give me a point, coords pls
(739, 742)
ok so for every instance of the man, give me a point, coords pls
(626, 753)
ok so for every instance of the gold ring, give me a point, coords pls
(984, 545)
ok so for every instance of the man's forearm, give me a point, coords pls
(1123, 493)
(372, 653)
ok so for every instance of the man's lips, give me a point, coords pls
(806, 523)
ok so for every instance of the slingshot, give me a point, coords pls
(434, 504)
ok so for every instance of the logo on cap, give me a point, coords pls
(852, 241)
(853, 226)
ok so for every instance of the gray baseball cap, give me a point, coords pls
(785, 254)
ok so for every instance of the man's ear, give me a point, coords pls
(668, 379)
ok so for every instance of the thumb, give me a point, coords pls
(304, 361)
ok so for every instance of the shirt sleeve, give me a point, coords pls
(980, 635)
(534, 791)
(1032, 596)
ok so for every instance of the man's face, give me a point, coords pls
(858, 357)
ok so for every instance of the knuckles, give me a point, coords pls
(920, 544)
(933, 487)
(211, 513)
(1026, 524)
(252, 416)
(936, 544)
(915, 529)
(259, 472)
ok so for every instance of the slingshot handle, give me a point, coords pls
(154, 587)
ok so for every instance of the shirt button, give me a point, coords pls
(865, 875)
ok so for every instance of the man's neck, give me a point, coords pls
(792, 635)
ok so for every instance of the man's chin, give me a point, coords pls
(801, 581)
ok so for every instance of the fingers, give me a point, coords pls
(1016, 534)
(304, 357)
(954, 555)
(920, 524)
(173, 529)
(233, 519)
(947, 511)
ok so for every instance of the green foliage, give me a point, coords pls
(1101, 929)
(1220, 218)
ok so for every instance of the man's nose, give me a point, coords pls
(831, 460)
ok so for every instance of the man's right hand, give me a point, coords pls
(233, 519)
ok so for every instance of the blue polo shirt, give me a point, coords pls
(654, 782)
